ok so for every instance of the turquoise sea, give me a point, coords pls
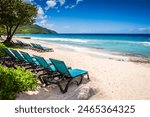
(130, 44)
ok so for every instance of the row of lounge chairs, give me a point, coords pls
(56, 71)
(34, 46)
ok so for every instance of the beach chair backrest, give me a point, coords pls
(42, 61)
(8, 52)
(27, 57)
(60, 66)
(19, 42)
(16, 53)
(39, 45)
(34, 45)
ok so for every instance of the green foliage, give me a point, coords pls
(34, 29)
(15, 13)
(13, 81)
(10, 45)
(2, 53)
(5, 45)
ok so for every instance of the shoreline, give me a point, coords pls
(110, 78)
(100, 53)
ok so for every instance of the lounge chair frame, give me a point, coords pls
(67, 77)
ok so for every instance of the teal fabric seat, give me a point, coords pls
(34, 45)
(62, 68)
(12, 57)
(45, 64)
(52, 68)
(18, 56)
(22, 43)
(77, 72)
(29, 58)
(48, 61)
(17, 43)
(40, 47)
(68, 74)
(43, 47)
(8, 53)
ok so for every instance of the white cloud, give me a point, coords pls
(40, 11)
(144, 29)
(77, 2)
(72, 6)
(45, 24)
(53, 3)
(62, 2)
(42, 22)
(42, 19)
(141, 30)
(50, 4)
(41, 15)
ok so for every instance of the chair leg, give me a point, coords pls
(67, 85)
(61, 89)
(81, 79)
(42, 80)
(88, 76)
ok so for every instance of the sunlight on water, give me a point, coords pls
(126, 44)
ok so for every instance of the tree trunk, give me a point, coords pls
(10, 33)
(8, 39)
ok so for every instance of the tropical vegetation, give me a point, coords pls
(14, 81)
(15, 13)
(34, 29)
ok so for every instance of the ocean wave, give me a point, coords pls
(146, 43)
(62, 39)
(130, 42)
(76, 48)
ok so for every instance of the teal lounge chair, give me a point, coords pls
(44, 64)
(69, 74)
(35, 47)
(8, 53)
(18, 56)
(18, 43)
(22, 43)
(32, 60)
(44, 48)
(29, 58)
(61, 67)
(11, 60)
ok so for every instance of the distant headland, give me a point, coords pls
(34, 29)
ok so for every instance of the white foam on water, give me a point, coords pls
(62, 39)
(146, 44)
(99, 53)
(75, 48)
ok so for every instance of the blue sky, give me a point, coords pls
(94, 16)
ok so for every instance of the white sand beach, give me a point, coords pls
(111, 76)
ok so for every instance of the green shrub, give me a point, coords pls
(13, 81)
(2, 53)
(10, 45)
